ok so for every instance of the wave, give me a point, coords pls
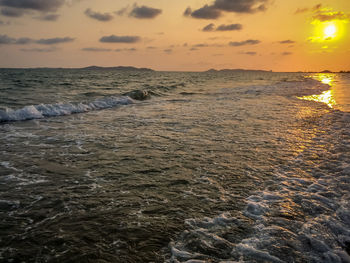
(60, 109)
(303, 215)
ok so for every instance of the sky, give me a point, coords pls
(181, 35)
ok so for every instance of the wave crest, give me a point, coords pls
(60, 109)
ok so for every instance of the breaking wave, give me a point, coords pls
(60, 109)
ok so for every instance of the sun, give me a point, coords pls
(330, 31)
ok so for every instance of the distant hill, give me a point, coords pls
(119, 68)
(235, 70)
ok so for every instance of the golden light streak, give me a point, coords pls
(327, 96)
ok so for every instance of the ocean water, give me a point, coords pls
(108, 166)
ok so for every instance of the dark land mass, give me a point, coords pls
(235, 70)
(119, 68)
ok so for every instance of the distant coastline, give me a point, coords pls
(119, 68)
(131, 68)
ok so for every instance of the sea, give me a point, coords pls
(146, 166)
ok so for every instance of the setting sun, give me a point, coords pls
(330, 31)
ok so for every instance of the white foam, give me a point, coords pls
(61, 109)
(302, 218)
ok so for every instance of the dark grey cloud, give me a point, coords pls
(120, 39)
(103, 17)
(206, 12)
(287, 42)
(38, 5)
(39, 49)
(241, 6)
(96, 49)
(286, 53)
(168, 51)
(23, 41)
(215, 10)
(151, 47)
(244, 43)
(144, 12)
(49, 17)
(11, 12)
(231, 27)
(5, 39)
(53, 41)
(209, 28)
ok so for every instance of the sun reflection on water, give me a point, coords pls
(327, 96)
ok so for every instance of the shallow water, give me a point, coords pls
(210, 167)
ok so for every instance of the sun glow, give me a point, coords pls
(330, 31)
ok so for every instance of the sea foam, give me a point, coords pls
(61, 109)
(297, 218)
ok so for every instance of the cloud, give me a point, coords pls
(168, 51)
(306, 9)
(38, 49)
(287, 42)
(188, 11)
(122, 11)
(49, 17)
(231, 27)
(11, 12)
(4, 39)
(23, 41)
(206, 12)
(241, 6)
(37, 5)
(103, 17)
(249, 53)
(120, 39)
(200, 45)
(151, 47)
(53, 41)
(209, 28)
(330, 16)
(245, 43)
(125, 49)
(286, 53)
(96, 49)
(144, 12)
(215, 10)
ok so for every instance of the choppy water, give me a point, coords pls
(210, 167)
